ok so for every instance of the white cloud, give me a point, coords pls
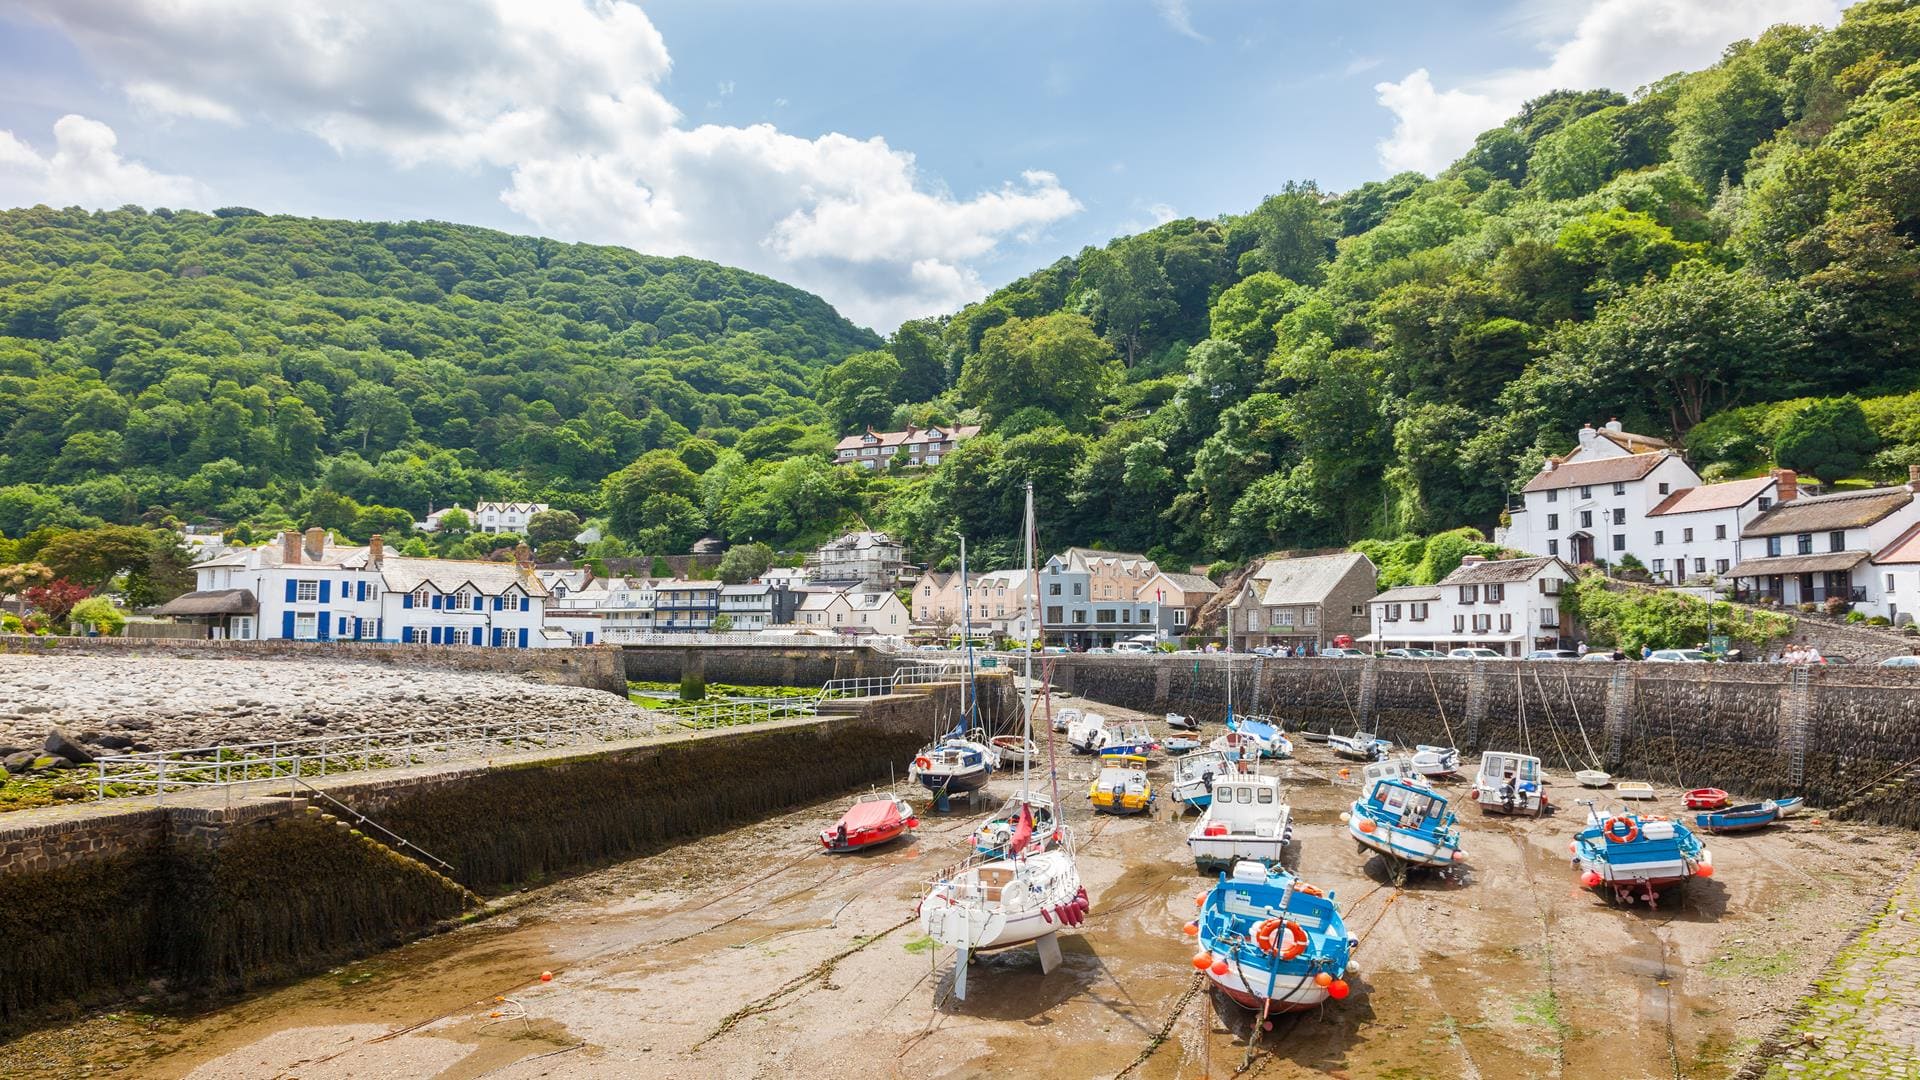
(1617, 44)
(1162, 213)
(564, 96)
(1176, 15)
(85, 169)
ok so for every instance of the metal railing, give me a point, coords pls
(763, 639)
(281, 760)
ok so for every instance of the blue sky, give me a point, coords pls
(899, 158)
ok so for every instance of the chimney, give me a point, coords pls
(1913, 478)
(1472, 560)
(1587, 435)
(1788, 483)
(523, 556)
(1547, 465)
(376, 550)
(290, 547)
(1613, 424)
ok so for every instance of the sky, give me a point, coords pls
(899, 158)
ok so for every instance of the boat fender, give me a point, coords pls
(1308, 890)
(1044, 914)
(1614, 833)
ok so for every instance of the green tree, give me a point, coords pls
(860, 391)
(1055, 362)
(744, 562)
(655, 475)
(551, 526)
(1829, 439)
(98, 614)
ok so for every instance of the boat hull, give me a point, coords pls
(951, 782)
(860, 842)
(1221, 852)
(1288, 996)
(959, 913)
(1403, 844)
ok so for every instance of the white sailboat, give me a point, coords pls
(1018, 894)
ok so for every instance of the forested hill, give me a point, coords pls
(228, 366)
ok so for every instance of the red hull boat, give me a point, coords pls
(1706, 798)
(875, 819)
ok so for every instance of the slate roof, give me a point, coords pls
(1904, 548)
(1498, 570)
(1599, 471)
(1408, 594)
(1196, 583)
(1306, 580)
(1694, 500)
(403, 574)
(1824, 562)
(1826, 513)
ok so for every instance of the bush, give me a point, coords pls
(1834, 606)
(1829, 439)
(1856, 616)
(1663, 620)
(1879, 620)
(98, 614)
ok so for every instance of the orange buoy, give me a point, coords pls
(1203, 961)
(1367, 825)
(1344, 774)
(1219, 967)
(1338, 989)
(1191, 929)
(546, 976)
(1199, 899)
(1322, 979)
(1705, 869)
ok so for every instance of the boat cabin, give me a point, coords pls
(1391, 769)
(1249, 805)
(1405, 804)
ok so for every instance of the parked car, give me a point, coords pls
(1415, 654)
(1132, 647)
(1474, 652)
(1678, 656)
(933, 648)
(1101, 650)
(1901, 661)
(1598, 655)
(1553, 654)
(1343, 654)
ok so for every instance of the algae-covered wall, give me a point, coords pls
(755, 665)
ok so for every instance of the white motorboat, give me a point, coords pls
(1593, 778)
(1017, 749)
(1360, 746)
(1397, 768)
(1433, 761)
(1510, 784)
(1087, 733)
(1193, 777)
(1063, 720)
(1248, 819)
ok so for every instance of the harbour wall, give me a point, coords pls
(220, 893)
(597, 667)
(1830, 733)
(758, 665)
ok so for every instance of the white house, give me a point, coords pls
(1897, 569)
(1508, 605)
(923, 446)
(307, 588)
(872, 559)
(1695, 531)
(1815, 549)
(853, 611)
(511, 517)
(1593, 504)
(431, 523)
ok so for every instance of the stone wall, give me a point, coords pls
(1761, 729)
(756, 665)
(214, 893)
(598, 667)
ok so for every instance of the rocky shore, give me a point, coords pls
(115, 704)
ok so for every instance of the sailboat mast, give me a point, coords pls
(970, 706)
(1030, 618)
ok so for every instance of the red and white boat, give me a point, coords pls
(1706, 798)
(874, 819)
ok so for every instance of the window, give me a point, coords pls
(1659, 537)
(1659, 566)
(1496, 593)
(1553, 522)
(1619, 541)
(1619, 487)
(1549, 586)
(1773, 545)
(1506, 623)
(1889, 582)
(1803, 544)
(1686, 536)
(1619, 516)
(1313, 616)
(1765, 503)
(463, 635)
(1146, 616)
(1053, 589)
(306, 592)
(1837, 541)
(1459, 624)
(1179, 616)
(1080, 617)
(420, 598)
(419, 635)
(1553, 547)
(1283, 618)
(1104, 615)
(1719, 532)
(1482, 623)
(1719, 566)
(1553, 496)
(1586, 519)
(1665, 488)
(1469, 594)
(464, 601)
(1359, 611)
(1585, 493)
(1418, 611)
(1054, 615)
(306, 626)
(1390, 612)
(1549, 618)
(1076, 588)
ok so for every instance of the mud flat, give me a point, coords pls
(754, 954)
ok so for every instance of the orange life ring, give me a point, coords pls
(1616, 837)
(1309, 890)
(923, 762)
(1296, 939)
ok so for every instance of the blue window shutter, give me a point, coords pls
(589, 637)
(436, 635)
(523, 637)
(437, 598)
(499, 602)
(406, 600)
(291, 586)
(523, 607)
(326, 590)
(286, 624)
(323, 627)
(360, 591)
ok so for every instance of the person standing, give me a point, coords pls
(1582, 650)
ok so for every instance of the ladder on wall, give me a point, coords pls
(1799, 712)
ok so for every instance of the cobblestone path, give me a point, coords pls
(1864, 1020)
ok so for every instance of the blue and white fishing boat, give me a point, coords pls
(1264, 733)
(1790, 807)
(1247, 821)
(1638, 856)
(1127, 739)
(956, 763)
(1746, 817)
(1193, 777)
(1270, 941)
(1360, 746)
(1408, 822)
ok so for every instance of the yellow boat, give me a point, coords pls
(1122, 786)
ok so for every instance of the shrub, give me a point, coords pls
(1835, 606)
(1878, 620)
(98, 614)
(1856, 616)
(1663, 620)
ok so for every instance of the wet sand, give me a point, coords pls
(755, 954)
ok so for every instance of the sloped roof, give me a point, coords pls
(1631, 443)
(870, 437)
(1694, 500)
(1598, 471)
(1823, 562)
(1904, 548)
(1305, 580)
(211, 602)
(403, 574)
(1194, 583)
(1824, 513)
(1499, 570)
(1408, 594)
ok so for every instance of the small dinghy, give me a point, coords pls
(1017, 749)
(955, 764)
(1706, 798)
(1127, 739)
(1030, 819)
(1313, 736)
(1633, 789)
(1271, 942)
(1636, 856)
(1063, 720)
(1360, 746)
(1177, 747)
(1087, 733)
(1408, 822)
(1789, 807)
(1744, 818)
(1510, 784)
(1263, 734)
(1433, 761)
(873, 820)
(1182, 723)
(1593, 778)
(1248, 819)
(1193, 777)
(1122, 786)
